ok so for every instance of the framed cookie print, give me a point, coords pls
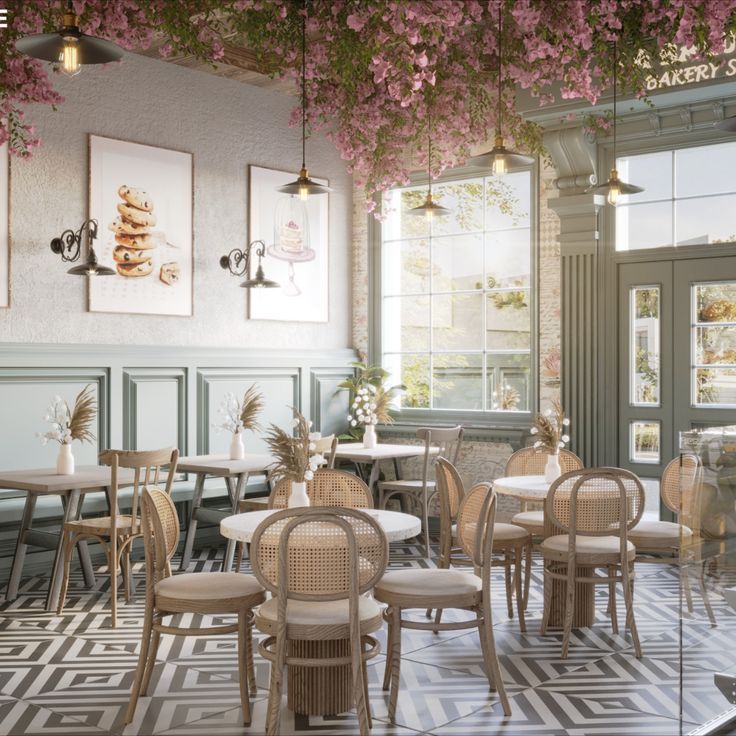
(141, 197)
(4, 226)
(297, 253)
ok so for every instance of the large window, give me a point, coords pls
(689, 198)
(456, 300)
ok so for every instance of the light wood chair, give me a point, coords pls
(147, 465)
(318, 563)
(595, 510)
(448, 442)
(208, 593)
(675, 542)
(328, 488)
(327, 446)
(448, 588)
(510, 541)
(530, 461)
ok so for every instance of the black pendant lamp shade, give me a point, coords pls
(69, 47)
(303, 186)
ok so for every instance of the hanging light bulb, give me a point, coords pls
(303, 186)
(499, 159)
(614, 188)
(69, 47)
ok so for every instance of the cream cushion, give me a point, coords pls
(430, 582)
(405, 485)
(208, 586)
(609, 546)
(529, 519)
(501, 532)
(656, 533)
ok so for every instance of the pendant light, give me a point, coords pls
(499, 159)
(429, 209)
(69, 47)
(614, 188)
(304, 186)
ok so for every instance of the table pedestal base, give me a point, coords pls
(584, 606)
(319, 691)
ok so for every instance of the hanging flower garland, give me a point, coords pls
(376, 68)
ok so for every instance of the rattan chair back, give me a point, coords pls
(447, 440)
(531, 461)
(475, 520)
(449, 489)
(319, 554)
(596, 502)
(327, 446)
(332, 488)
(160, 533)
(680, 485)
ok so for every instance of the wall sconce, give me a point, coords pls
(69, 246)
(238, 263)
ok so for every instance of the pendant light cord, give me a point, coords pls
(500, 66)
(429, 152)
(304, 87)
(615, 65)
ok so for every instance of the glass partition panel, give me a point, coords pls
(644, 339)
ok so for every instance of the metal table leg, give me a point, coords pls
(85, 562)
(20, 548)
(71, 510)
(236, 492)
(192, 526)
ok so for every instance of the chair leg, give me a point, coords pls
(425, 523)
(68, 552)
(252, 684)
(507, 575)
(704, 594)
(273, 718)
(629, 599)
(366, 690)
(239, 556)
(151, 661)
(437, 620)
(569, 607)
(685, 582)
(124, 556)
(243, 634)
(518, 559)
(395, 663)
(112, 562)
(612, 599)
(547, 598)
(140, 669)
(528, 572)
(491, 657)
(359, 691)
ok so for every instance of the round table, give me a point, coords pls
(321, 690)
(534, 488)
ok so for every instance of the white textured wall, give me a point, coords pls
(226, 125)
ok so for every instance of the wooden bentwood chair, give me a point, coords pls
(318, 563)
(209, 593)
(674, 542)
(512, 542)
(127, 527)
(443, 588)
(448, 442)
(595, 510)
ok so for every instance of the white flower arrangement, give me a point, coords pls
(296, 457)
(549, 428)
(59, 417)
(363, 408)
(240, 415)
(67, 424)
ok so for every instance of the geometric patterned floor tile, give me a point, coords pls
(18, 717)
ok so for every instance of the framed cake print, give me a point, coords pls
(4, 226)
(141, 197)
(295, 232)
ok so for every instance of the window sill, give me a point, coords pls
(514, 433)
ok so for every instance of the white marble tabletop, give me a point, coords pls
(396, 525)
(221, 465)
(47, 480)
(356, 452)
(523, 486)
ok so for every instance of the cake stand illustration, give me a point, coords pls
(291, 238)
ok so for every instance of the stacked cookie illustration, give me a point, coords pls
(135, 241)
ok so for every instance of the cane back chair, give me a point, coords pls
(147, 465)
(447, 442)
(209, 593)
(679, 541)
(448, 588)
(318, 563)
(594, 511)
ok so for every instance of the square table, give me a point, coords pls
(356, 453)
(70, 488)
(236, 474)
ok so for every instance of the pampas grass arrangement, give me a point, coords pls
(549, 429)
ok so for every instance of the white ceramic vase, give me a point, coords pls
(65, 460)
(237, 449)
(369, 436)
(552, 471)
(298, 496)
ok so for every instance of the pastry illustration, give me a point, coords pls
(135, 269)
(120, 225)
(136, 197)
(290, 237)
(136, 216)
(121, 254)
(139, 242)
(170, 273)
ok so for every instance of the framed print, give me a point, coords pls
(297, 254)
(4, 226)
(141, 197)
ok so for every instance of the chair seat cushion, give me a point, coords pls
(530, 520)
(103, 524)
(437, 584)
(304, 619)
(508, 533)
(405, 485)
(651, 534)
(556, 547)
(207, 587)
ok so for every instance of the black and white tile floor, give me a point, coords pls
(72, 674)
